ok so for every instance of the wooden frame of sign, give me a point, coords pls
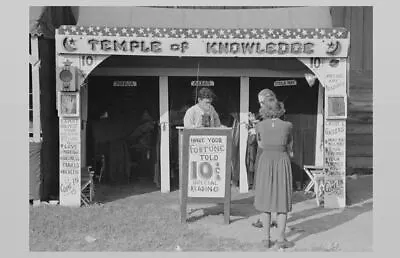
(205, 178)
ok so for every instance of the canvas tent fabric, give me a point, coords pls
(296, 17)
(43, 20)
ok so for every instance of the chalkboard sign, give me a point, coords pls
(205, 171)
(337, 107)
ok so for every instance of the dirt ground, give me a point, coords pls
(140, 218)
(309, 226)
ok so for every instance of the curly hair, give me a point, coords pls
(265, 93)
(272, 108)
(204, 93)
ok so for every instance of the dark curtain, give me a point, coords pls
(50, 19)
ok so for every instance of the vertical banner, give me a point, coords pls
(207, 158)
(332, 74)
(70, 162)
(335, 161)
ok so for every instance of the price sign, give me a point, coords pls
(204, 168)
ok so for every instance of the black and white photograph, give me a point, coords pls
(201, 128)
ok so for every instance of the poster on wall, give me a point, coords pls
(336, 107)
(70, 162)
(335, 161)
(68, 104)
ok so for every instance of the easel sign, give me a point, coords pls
(205, 171)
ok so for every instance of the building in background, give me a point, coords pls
(113, 100)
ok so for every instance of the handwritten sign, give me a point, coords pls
(331, 72)
(204, 170)
(207, 158)
(334, 192)
(335, 161)
(70, 162)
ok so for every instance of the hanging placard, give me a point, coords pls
(202, 83)
(124, 84)
(285, 83)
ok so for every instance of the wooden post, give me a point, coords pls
(319, 136)
(35, 62)
(244, 120)
(164, 145)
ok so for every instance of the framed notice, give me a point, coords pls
(68, 104)
(205, 171)
(336, 107)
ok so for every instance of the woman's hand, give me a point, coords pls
(252, 131)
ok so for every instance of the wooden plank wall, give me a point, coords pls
(360, 123)
(359, 144)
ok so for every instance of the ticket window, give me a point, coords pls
(301, 103)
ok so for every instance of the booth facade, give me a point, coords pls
(244, 60)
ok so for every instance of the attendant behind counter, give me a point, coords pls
(203, 113)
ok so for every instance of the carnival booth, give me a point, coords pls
(121, 91)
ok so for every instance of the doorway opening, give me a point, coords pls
(122, 128)
(301, 105)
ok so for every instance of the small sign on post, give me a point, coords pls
(204, 167)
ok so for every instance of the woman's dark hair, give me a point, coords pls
(272, 108)
(204, 93)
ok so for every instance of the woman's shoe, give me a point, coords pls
(257, 224)
(284, 244)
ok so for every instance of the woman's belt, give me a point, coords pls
(282, 148)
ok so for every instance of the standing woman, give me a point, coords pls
(273, 192)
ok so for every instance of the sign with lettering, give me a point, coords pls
(334, 192)
(257, 42)
(70, 162)
(202, 83)
(285, 83)
(335, 161)
(205, 170)
(331, 72)
(207, 158)
(124, 84)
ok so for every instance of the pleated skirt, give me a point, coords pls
(273, 182)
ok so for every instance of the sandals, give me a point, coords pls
(259, 224)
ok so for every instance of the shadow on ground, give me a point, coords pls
(108, 193)
(358, 198)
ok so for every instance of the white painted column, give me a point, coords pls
(244, 120)
(35, 62)
(319, 135)
(164, 144)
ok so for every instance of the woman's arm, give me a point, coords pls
(290, 141)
